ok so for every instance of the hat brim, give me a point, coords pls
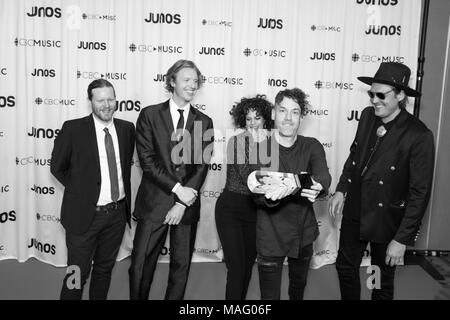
(408, 91)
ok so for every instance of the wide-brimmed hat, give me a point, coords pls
(394, 74)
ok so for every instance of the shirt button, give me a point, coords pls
(349, 180)
(353, 163)
(392, 168)
(380, 205)
(177, 169)
(380, 182)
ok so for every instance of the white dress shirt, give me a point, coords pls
(105, 189)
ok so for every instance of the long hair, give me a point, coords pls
(177, 66)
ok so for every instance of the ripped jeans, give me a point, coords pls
(270, 271)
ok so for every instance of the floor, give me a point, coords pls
(424, 278)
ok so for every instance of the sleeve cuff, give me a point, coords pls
(175, 188)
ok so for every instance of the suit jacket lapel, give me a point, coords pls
(190, 119)
(120, 138)
(92, 140)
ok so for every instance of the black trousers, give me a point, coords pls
(350, 254)
(147, 244)
(270, 272)
(100, 244)
(236, 227)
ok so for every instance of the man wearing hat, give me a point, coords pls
(385, 185)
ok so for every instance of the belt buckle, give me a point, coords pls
(114, 205)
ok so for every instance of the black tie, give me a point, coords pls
(180, 125)
(112, 166)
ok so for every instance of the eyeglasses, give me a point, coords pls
(380, 95)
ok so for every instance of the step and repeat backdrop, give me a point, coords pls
(51, 50)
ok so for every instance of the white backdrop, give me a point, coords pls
(51, 50)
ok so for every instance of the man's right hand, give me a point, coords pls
(186, 195)
(336, 204)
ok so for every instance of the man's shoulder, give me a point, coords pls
(150, 109)
(416, 124)
(200, 114)
(75, 123)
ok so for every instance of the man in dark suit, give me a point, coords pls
(385, 184)
(92, 159)
(172, 177)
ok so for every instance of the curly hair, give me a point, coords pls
(295, 94)
(177, 66)
(259, 104)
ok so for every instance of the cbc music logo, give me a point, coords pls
(384, 30)
(23, 42)
(5, 188)
(224, 80)
(155, 48)
(354, 115)
(317, 112)
(3, 71)
(322, 252)
(46, 73)
(95, 16)
(43, 133)
(2, 134)
(333, 85)
(328, 145)
(268, 23)
(199, 106)
(273, 53)
(283, 83)
(326, 56)
(212, 51)
(42, 247)
(211, 193)
(217, 23)
(32, 160)
(378, 2)
(42, 190)
(376, 59)
(128, 105)
(92, 45)
(46, 12)
(47, 218)
(166, 18)
(7, 101)
(8, 216)
(55, 102)
(92, 75)
(326, 28)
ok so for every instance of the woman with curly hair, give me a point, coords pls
(235, 210)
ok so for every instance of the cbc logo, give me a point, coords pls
(47, 218)
(3, 71)
(211, 194)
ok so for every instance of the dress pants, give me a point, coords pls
(350, 254)
(270, 271)
(101, 244)
(236, 226)
(148, 242)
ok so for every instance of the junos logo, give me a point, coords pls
(215, 167)
(7, 216)
(50, 73)
(383, 30)
(212, 51)
(163, 18)
(327, 56)
(47, 12)
(43, 190)
(128, 105)
(267, 23)
(9, 101)
(160, 77)
(43, 133)
(91, 45)
(378, 2)
(42, 247)
(354, 115)
(277, 82)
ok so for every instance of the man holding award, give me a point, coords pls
(286, 223)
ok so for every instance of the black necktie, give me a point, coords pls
(112, 166)
(180, 125)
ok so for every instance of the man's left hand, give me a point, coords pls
(175, 214)
(311, 194)
(395, 253)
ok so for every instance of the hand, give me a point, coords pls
(175, 214)
(336, 204)
(395, 253)
(186, 195)
(311, 194)
(276, 192)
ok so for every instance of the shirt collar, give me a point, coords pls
(174, 107)
(99, 125)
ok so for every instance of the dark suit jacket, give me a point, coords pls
(75, 163)
(154, 128)
(391, 199)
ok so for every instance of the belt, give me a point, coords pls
(110, 206)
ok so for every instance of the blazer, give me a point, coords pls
(391, 198)
(75, 163)
(160, 174)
